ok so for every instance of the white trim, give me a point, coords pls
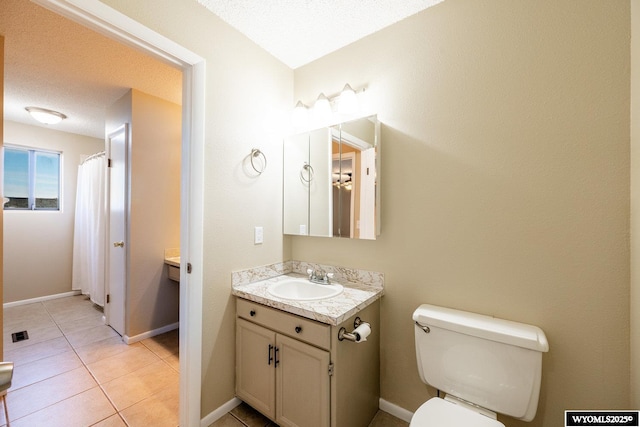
(40, 299)
(350, 140)
(395, 410)
(192, 243)
(220, 412)
(143, 336)
(117, 26)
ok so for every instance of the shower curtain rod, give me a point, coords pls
(93, 156)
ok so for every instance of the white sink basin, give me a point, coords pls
(303, 290)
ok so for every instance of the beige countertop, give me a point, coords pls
(173, 261)
(332, 311)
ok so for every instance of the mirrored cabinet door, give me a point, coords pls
(298, 174)
(331, 176)
(320, 190)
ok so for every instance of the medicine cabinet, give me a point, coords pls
(332, 181)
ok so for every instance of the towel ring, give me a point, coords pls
(257, 153)
(307, 167)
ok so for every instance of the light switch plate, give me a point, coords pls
(258, 235)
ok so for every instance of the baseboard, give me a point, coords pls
(385, 406)
(395, 410)
(130, 340)
(40, 299)
(220, 412)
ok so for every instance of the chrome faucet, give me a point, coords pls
(319, 276)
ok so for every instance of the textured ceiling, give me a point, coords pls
(300, 31)
(54, 63)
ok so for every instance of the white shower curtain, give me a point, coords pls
(90, 229)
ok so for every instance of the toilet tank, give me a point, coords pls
(493, 363)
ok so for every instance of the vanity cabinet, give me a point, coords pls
(296, 372)
(270, 367)
(174, 273)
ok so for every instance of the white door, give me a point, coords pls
(118, 207)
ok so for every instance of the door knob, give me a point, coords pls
(119, 244)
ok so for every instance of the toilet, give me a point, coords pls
(483, 365)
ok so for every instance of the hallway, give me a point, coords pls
(75, 371)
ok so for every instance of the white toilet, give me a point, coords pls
(484, 365)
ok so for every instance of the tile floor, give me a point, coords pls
(75, 371)
(246, 416)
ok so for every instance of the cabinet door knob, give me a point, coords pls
(298, 329)
(252, 313)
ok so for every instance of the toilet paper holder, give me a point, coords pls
(353, 336)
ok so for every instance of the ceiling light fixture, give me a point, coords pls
(48, 117)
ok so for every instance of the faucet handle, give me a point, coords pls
(309, 271)
(330, 275)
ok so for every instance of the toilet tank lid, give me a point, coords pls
(479, 325)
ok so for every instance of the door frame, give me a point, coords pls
(117, 26)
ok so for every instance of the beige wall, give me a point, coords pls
(38, 254)
(155, 140)
(154, 300)
(246, 87)
(505, 144)
(506, 180)
(635, 205)
(1, 174)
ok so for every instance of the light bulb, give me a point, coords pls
(348, 102)
(322, 109)
(300, 115)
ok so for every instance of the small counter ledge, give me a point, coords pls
(172, 259)
(360, 290)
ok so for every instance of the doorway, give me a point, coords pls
(99, 17)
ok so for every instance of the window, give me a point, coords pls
(31, 179)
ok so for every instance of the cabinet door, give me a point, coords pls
(302, 384)
(255, 373)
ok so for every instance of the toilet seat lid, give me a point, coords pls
(440, 413)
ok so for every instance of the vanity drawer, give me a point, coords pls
(315, 333)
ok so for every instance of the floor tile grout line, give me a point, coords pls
(85, 365)
(118, 412)
(63, 334)
(50, 405)
(50, 318)
(119, 416)
(239, 420)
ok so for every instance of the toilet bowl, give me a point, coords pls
(437, 412)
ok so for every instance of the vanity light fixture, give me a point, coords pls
(300, 115)
(328, 109)
(47, 117)
(347, 101)
(322, 109)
